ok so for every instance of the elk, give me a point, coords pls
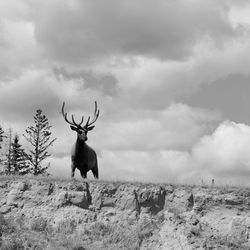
(83, 157)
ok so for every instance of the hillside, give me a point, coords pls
(56, 214)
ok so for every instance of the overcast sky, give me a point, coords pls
(171, 78)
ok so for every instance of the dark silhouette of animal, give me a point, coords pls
(83, 157)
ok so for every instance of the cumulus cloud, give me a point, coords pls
(157, 130)
(222, 155)
(225, 154)
(160, 166)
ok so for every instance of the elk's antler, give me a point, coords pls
(73, 120)
(96, 115)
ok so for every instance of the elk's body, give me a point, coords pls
(83, 157)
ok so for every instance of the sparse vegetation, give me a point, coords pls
(36, 222)
(97, 236)
(39, 224)
(66, 227)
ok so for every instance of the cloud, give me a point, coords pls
(154, 84)
(76, 31)
(14, 9)
(59, 42)
(229, 94)
(156, 130)
(20, 97)
(222, 155)
(105, 82)
(38, 88)
(17, 47)
(159, 166)
(225, 154)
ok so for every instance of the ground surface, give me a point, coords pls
(55, 214)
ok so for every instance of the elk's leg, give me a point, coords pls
(95, 172)
(73, 168)
(83, 174)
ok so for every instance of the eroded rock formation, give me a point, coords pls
(52, 214)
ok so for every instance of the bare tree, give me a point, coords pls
(39, 138)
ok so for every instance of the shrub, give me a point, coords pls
(38, 224)
(11, 243)
(67, 226)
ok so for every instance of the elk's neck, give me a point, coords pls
(80, 143)
(79, 150)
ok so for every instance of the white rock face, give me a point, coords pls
(49, 214)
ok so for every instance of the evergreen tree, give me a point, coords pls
(7, 162)
(18, 160)
(1, 136)
(1, 155)
(39, 138)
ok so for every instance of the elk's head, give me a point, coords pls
(82, 131)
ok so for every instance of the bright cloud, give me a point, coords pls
(222, 155)
(157, 130)
(226, 152)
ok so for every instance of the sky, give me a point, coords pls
(171, 79)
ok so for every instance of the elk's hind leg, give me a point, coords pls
(83, 174)
(73, 168)
(95, 172)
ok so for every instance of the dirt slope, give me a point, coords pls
(54, 214)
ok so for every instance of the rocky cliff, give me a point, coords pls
(56, 214)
